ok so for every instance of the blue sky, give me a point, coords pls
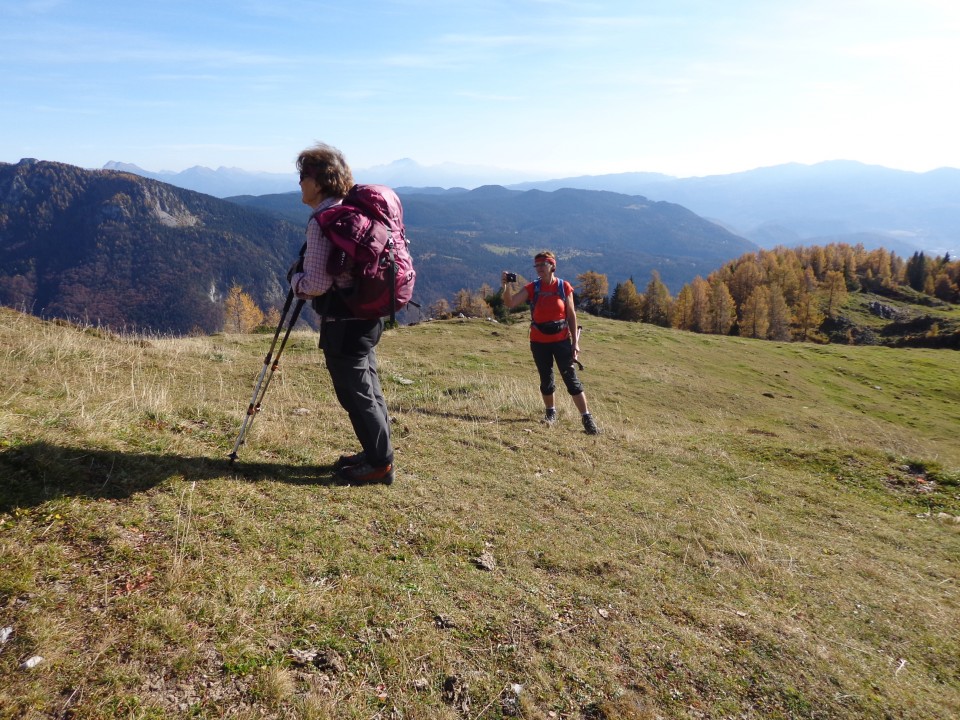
(549, 87)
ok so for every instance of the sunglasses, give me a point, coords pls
(542, 265)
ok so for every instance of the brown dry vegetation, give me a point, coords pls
(763, 530)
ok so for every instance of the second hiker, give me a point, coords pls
(553, 334)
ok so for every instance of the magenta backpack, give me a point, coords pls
(367, 228)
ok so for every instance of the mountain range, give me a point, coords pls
(113, 247)
(464, 238)
(792, 204)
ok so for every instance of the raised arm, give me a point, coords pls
(511, 299)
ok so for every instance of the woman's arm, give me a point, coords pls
(572, 324)
(509, 299)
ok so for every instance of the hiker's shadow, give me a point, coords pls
(34, 473)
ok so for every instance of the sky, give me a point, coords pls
(552, 88)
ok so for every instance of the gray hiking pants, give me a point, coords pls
(349, 348)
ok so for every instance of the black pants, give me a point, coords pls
(544, 355)
(349, 348)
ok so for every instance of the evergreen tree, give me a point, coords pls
(917, 271)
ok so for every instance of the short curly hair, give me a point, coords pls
(547, 256)
(325, 164)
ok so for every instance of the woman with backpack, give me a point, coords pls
(348, 340)
(553, 337)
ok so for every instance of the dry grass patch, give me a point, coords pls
(756, 534)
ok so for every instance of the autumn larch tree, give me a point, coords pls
(626, 303)
(240, 312)
(779, 315)
(657, 302)
(723, 309)
(755, 313)
(593, 291)
(834, 291)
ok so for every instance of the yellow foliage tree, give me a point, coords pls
(240, 312)
(699, 305)
(779, 315)
(755, 319)
(723, 309)
(593, 291)
(657, 303)
(471, 304)
(440, 310)
(834, 291)
(806, 315)
(627, 303)
(683, 309)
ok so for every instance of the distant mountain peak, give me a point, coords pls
(123, 167)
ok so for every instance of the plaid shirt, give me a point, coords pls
(315, 280)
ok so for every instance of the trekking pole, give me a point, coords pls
(260, 388)
(579, 330)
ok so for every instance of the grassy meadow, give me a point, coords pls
(763, 530)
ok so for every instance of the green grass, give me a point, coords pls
(763, 530)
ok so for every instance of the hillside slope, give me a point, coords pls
(762, 531)
(121, 250)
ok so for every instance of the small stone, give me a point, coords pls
(31, 662)
(486, 562)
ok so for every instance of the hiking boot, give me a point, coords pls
(363, 473)
(590, 425)
(345, 461)
(550, 417)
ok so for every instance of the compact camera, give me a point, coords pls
(511, 277)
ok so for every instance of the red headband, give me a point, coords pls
(544, 258)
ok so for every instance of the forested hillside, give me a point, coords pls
(121, 250)
(835, 293)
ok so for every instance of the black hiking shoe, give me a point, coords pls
(590, 425)
(345, 461)
(550, 417)
(365, 474)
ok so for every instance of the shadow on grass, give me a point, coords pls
(34, 473)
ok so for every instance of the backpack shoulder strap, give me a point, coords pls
(536, 296)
